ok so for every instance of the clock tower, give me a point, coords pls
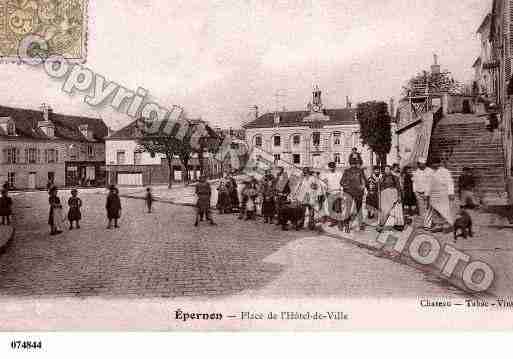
(316, 100)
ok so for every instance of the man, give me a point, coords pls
(281, 189)
(355, 157)
(372, 201)
(421, 180)
(353, 183)
(466, 188)
(440, 196)
(332, 184)
(267, 194)
(204, 193)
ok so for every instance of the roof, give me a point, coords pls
(477, 62)
(486, 22)
(66, 126)
(344, 116)
(132, 132)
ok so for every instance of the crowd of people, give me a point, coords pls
(392, 196)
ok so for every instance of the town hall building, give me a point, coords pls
(310, 138)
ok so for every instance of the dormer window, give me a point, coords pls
(47, 128)
(83, 130)
(11, 129)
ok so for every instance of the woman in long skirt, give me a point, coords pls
(390, 200)
(55, 215)
(113, 207)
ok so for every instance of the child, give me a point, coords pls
(113, 207)
(74, 214)
(148, 199)
(204, 192)
(250, 193)
(55, 216)
(5, 207)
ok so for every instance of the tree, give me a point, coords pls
(154, 138)
(375, 128)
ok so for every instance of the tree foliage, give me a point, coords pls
(158, 137)
(375, 127)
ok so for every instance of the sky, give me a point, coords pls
(217, 59)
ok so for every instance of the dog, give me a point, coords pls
(293, 213)
(463, 224)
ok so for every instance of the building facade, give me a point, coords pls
(310, 138)
(128, 164)
(42, 147)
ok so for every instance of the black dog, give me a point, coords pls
(293, 213)
(463, 223)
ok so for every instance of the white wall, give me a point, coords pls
(129, 146)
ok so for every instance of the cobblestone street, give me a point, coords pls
(163, 255)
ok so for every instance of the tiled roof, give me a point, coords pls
(131, 132)
(344, 116)
(66, 127)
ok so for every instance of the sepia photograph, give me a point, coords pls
(255, 166)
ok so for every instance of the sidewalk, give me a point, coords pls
(492, 243)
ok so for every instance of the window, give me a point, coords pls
(337, 158)
(137, 158)
(11, 129)
(11, 179)
(120, 157)
(356, 139)
(296, 158)
(51, 156)
(258, 141)
(13, 155)
(277, 141)
(73, 152)
(316, 138)
(276, 157)
(296, 140)
(32, 155)
(336, 138)
(90, 150)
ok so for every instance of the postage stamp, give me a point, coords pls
(62, 23)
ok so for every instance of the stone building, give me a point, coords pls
(41, 147)
(308, 138)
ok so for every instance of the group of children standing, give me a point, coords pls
(56, 218)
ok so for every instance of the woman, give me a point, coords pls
(55, 215)
(409, 199)
(390, 200)
(113, 207)
(223, 196)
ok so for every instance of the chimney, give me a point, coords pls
(435, 68)
(348, 102)
(47, 111)
(255, 109)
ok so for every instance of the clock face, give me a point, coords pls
(316, 108)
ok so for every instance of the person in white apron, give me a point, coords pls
(440, 196)
(55, 218)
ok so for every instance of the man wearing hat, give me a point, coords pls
(355, 157)
(421, 181)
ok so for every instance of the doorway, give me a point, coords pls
(32, 180)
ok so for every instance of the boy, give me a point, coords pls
(149, 199)
(204, 192)
(74, 214)
(5, 207)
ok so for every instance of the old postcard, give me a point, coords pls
(255, 165)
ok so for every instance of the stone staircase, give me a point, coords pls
(467, 143)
